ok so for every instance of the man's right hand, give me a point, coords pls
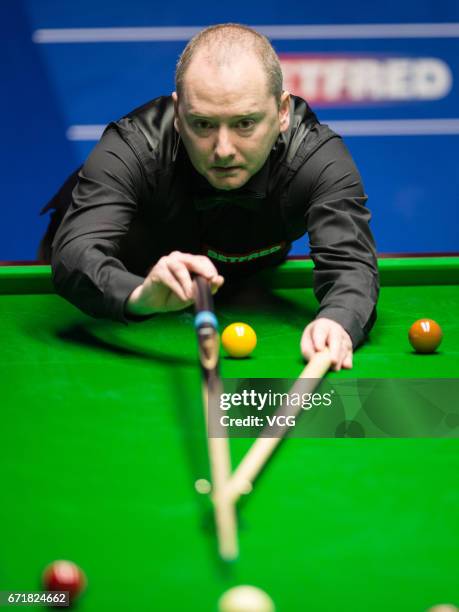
(169, 286)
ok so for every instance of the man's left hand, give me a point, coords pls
(324, 333)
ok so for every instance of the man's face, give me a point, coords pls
(227, 118)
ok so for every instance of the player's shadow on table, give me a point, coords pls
(247, 295)
(98, 337)
(253, 295)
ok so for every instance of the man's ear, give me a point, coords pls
(176, 115)
(284, 111)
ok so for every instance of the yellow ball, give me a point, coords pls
(239, 339)
(245, 598)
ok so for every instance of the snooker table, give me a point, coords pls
(103, 439)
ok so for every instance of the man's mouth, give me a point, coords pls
(224, 169)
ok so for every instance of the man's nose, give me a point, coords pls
(224, 148)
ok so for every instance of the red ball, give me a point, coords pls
(64, 576)
(425, 335)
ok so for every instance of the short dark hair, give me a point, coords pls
(225, 37)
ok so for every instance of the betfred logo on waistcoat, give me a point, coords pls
(342, 80)
(241, 257)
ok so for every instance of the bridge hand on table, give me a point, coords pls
(322, 333)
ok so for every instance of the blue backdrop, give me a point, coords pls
(384, 75)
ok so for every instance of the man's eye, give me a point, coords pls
(246, 124)
(202, 125)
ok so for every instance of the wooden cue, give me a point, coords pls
(218, 447)
(261, 450)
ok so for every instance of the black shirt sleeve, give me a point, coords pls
(342, 247)
(85, 264)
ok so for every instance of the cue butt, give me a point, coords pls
(218, 447)
(224, 506)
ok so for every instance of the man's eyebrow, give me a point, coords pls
(195, 115)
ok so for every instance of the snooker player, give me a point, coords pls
(217, 179)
